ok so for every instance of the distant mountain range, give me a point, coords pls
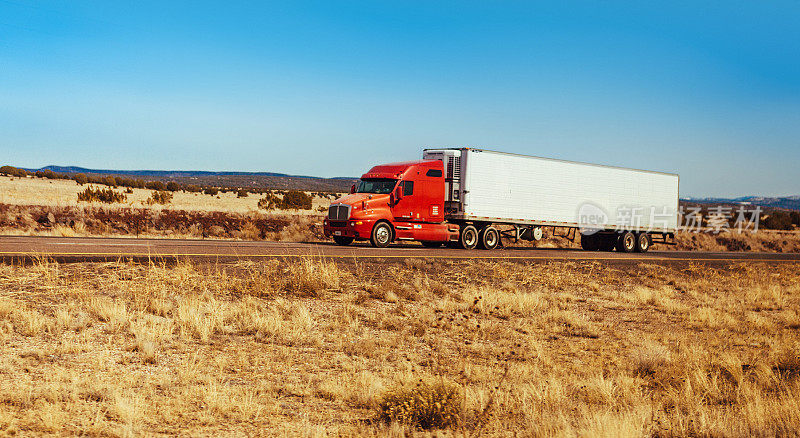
(266, 180)
(786, 202)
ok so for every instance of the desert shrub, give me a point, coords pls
(193, 188)
(795, 215)
(269, 201)
(159, 197)
(110, 181)
(13, 171)
(81, 179)
(49, 174)
(155, 185)
(426, 405)
(242, 193)
(778, 220)
(173, 186)
(296, 200)
(108, 196)
(292, 200)
(131, 182)
(213, 191)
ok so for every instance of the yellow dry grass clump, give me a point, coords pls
(309, 347)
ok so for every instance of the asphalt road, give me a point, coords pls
(74, 249)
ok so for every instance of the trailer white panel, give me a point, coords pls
(502, 187)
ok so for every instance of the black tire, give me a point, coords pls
(488, 238)
(381, 235)
(590, 242)
(643, 242)
(626, 242)
(342, 240)
(428, 244)
(469, 237)
(608, 242)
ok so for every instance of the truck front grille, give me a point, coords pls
(338, 224)
(338, 212)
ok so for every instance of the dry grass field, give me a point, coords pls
(306, 347)
(64, 193)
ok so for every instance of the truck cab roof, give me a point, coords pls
(396, 170)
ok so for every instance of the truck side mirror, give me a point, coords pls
(352, 189)
(398, 192)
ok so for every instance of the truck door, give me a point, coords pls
(405, 208)
(422, 196)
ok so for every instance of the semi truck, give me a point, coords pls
(474, 198)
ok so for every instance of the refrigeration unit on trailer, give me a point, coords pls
(473, 197)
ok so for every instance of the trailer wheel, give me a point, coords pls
(643, 242)
(469, 237)
(590, 242)
(626, 242)
(342, 240)
(431, 244)
(489, 238)
(381, 235)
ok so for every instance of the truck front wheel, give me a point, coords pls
(469, 237)
(489, 238)
(381, 235)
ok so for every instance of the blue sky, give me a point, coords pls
(709, 90)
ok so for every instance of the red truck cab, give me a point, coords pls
(396, 201)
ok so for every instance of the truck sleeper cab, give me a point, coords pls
(396, 201)
(473, 198)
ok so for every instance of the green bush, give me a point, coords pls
(159, 197)
(213, 191)
(426, 405)
(173, 186)
(108, 196)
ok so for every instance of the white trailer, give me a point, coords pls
(613, 207)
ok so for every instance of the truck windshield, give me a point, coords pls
(376, 185)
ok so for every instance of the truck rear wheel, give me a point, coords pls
(381, 235)
(626, 242)
(469, 237)
(342, 240)
(489, 238)
(643, 242)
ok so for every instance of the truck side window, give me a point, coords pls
(434, 173)
(408, 188)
